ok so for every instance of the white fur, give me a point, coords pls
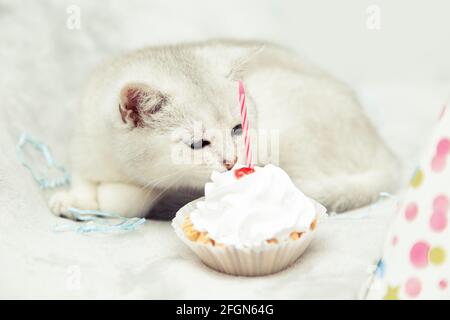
(326, 144)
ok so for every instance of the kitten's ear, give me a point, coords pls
(138, 102)
(230, 59)
(241, 61)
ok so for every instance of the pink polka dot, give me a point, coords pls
(438, 163)
(419, 254)
(440, 204)
(443, 147)
(411, 211)
(443, 284)
(394, 241)
(438, 222)
(442, 114)
(413, 287)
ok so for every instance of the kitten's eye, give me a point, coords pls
(237, 130)
(199, 144)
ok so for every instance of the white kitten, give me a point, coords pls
(140, 108)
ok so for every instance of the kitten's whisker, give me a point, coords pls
(163, 191)
(167, 188)
(159, 180)
(148, 191)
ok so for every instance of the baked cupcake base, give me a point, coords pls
(269, 257)
(203, 237)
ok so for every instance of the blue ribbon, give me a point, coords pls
(94, 220)
(40, 178)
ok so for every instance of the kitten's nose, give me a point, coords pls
(230, 164)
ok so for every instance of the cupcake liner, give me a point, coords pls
(243, 261)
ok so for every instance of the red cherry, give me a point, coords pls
(239, 173)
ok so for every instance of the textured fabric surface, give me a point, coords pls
(43, 65)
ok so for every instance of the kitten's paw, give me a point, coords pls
(60, 203)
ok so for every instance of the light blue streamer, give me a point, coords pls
(95, 221)
(42, 181)
(90, 215)
(380, 268)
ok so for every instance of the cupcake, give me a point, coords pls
(252, 221)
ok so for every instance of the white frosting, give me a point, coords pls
(256, 207)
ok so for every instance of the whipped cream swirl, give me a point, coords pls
(255, 207)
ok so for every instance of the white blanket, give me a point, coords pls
(43, 65)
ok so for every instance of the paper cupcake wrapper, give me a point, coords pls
(256, 261)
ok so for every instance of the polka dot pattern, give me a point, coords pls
(394, 240)
(438, 219)
(417, 179)
(415, 262)
(437, 255)
(413, 287)
(419, 254)
(439, 160)
(411, 211)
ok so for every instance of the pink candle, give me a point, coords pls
(244, 119)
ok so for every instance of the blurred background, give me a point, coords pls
(359, 40)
